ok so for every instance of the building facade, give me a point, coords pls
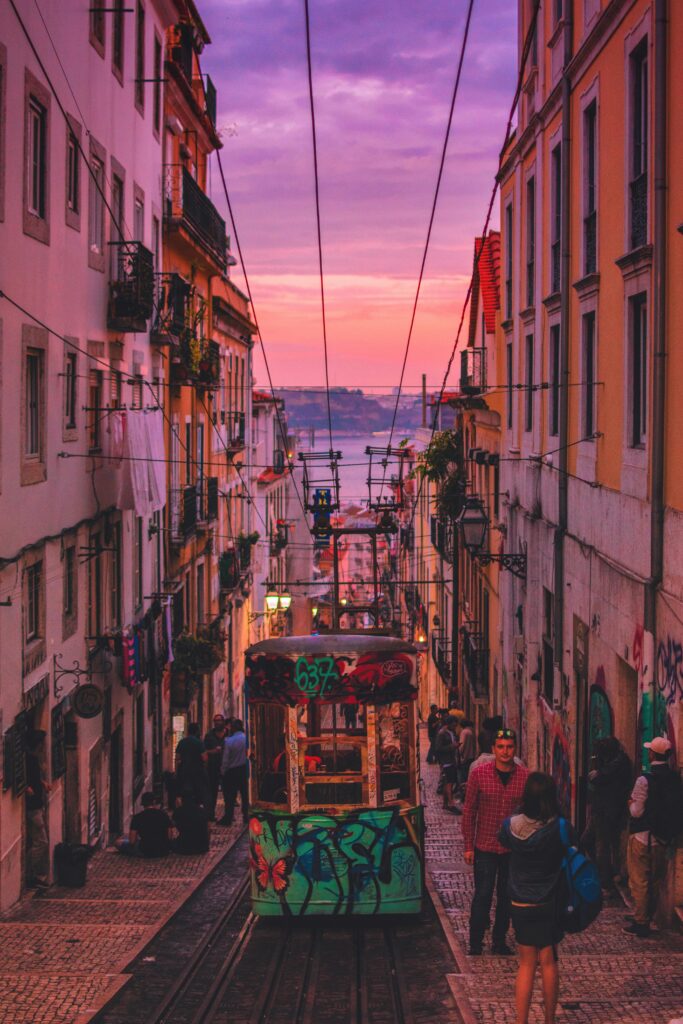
(81, 558)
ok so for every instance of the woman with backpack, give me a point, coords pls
(534, 837)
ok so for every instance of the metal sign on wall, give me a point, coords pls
(87, 701)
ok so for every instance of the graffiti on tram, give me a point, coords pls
(377, 678)
(367, 861)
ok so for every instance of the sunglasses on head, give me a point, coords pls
(506, 734)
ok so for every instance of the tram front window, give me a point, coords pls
(268, 728)
(333, 754)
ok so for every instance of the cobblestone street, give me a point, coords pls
(63, 954)
(606, 977)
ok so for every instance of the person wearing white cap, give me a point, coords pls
(656, 809)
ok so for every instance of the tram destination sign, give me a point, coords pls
(376, 678)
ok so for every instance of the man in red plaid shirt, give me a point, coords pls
(494, 791)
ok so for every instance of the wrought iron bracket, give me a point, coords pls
(516, 564)
(59, 671)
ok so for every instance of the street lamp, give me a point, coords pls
(314, 610)
(272, 601)
(473, 524)
(285, 601)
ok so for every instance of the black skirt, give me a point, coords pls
(537, 924)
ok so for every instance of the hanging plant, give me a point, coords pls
(195, 655)
(442, 457)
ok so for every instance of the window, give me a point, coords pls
(529, 382)
(530, 240)
(117, 221)
(34, 600)
(138, 743)
(73, 176)
(139, 219)
(69, 591)
(96, 213)
(156, 245)
(268, 730)
(140, 57)
(36, 177)
(156, 105)
(95, 601)
(639, 376)
(117, 39)
(510, 382)
(97, 27)
(588, 345)
(33, 403)
(116, 567)
(37, 169)
(556, 217)
(590, 233)
(548, 641)
(137, 562)
(201, 606)
(94, 410)
(639, 145)
(508, 261)
(70, 390)
(333, 744)
(394, 755)
(555, 379)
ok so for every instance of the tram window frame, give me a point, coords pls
(263, 760)
(333, 735)
(411, 768)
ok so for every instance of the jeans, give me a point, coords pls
(490, 872)
(235, 781)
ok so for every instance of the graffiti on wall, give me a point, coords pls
(378, 678)
(667, 692)
(556, 753)
(669, 670)
(367, 861)
(600, 717)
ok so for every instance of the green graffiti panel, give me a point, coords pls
(365, 861)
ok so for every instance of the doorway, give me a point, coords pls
(72, 809)
(115, 787)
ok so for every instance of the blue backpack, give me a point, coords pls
(580, 891)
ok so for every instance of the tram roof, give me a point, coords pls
(335, 644)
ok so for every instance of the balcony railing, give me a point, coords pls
(555, 266)
(187, 205)
(172, 309)
(473, 371)
(131, 293)
(590, 243)
(638, 197)
(475, 659)
(183, 513)
(441, 656)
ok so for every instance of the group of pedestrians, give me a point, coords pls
(517, 841)
(202, 767)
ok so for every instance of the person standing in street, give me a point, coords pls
(213, 744)
(447, 750)
(534, 839)
(38, 847)
(494, 791)
(609, 785)
(656, 808)
(191, 765)
(433, 721)
(234, 770)
(468, 751)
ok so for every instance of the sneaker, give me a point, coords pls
(501, 949)
(641, 931)
(474, 950)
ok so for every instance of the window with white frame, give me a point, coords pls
(554, 362)
(96, 207)
(94, 410)
(556, 217)
(34, 599)
(73, 174)
(140, 57)
(638, 370)
(33, 403)
(590, 188)
(70, 389)
(508, 261)
(588, 371)
(139, 219)
(638, 136)
(37, 159)
(530, 240)
(509, 383)
(118, 28)
(528, 382)
(138, 584)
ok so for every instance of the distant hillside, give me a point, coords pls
(352, 410)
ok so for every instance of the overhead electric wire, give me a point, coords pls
(437, 189)
(508, 135)
(309, 62)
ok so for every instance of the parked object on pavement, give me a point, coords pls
(71, 864)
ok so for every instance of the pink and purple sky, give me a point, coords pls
(383, 73)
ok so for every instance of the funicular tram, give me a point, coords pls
(336, 825)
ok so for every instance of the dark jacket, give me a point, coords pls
(608, 791)
(536, 861)
(446, 746)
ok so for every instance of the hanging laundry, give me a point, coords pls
(143, 474)
(114, 437)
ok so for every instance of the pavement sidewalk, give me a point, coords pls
(63, 952)
(606, 976)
